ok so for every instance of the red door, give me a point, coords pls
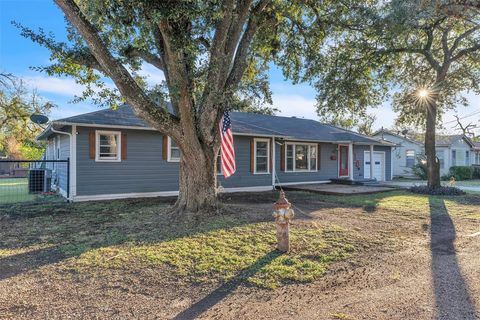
(343, 172)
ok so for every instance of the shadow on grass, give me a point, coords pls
(201, 306)
(452, 296)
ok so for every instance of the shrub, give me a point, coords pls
(420, 171)
(441, 191)
(461, 173)
(476, 173)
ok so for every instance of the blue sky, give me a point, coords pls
(18, 54)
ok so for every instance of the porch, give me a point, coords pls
(339, 189)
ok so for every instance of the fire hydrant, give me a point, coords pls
(283, 214)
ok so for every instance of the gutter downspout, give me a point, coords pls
(273, 163)
(70, 163)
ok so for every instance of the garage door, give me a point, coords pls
(378, 166)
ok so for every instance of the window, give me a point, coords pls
(173, 151)
(467, 158)
(301, 157)
(454, 158)
(108, 146)
(477, 157)
(262, 155)
(410, 157)
(441, 158)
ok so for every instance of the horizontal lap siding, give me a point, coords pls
(62, 167)
(144, 170)
(359, 154)
(328, 168)
(243, 177)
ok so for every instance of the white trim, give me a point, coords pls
(304, 182)
(294, 144)
(64, 194)
(338, 161)
(350, 164)
(273, 162)
(118, 158)
(107, 126)
(247, 189)
(99, 197)
(169, 151)
(372, 151)
(73, 162)
(255, 140)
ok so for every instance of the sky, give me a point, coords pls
(18, 55)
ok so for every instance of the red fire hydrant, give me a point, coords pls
(283, 214)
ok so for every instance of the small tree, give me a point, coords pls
(429, 56)
(212, 54)
(17, 132)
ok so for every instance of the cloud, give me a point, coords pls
(291, 105)
(61, 86)
(153, 75)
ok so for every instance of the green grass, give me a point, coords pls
(405, 202)
(14, 190)
(246, 251)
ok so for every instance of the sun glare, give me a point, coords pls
(423, 93)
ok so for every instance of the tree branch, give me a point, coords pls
(466, 51)
(148, 57)
(464, 35)
(159, 118)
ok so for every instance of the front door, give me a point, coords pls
(343, 151)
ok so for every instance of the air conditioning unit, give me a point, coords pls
(39, 180)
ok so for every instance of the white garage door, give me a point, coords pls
(378, 166)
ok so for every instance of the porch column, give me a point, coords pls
(350, 161)
(371, 161)
(273, 163)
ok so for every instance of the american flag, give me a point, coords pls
(227, 151)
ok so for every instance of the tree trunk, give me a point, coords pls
(433, 165)
(197, 180)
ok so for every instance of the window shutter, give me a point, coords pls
(318, 156)
(282, 157)
(165, 148)
(91, 142)
(124, 146)
(252, 155)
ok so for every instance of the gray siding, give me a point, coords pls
(359, 154)
(243, 177)
(144, 170)
(328, 168)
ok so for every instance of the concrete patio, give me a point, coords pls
(339, 189)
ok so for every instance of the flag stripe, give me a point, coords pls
(227, 150)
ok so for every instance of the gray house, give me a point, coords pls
(113, 154)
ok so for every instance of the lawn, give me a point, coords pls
(14, 190)
(136, 258)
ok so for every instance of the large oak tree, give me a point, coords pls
(213, 54)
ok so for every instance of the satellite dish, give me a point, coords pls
(39, 118)
(404, 132)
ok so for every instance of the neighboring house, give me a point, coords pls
(114, 154)
(405, 154)
(476, 150)
(452, 150)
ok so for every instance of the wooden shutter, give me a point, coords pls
(318, 156)
(92, 144)
(124, 146)
(165, 148)
(252, 155)
(282, 157)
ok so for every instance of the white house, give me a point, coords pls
(452, 150)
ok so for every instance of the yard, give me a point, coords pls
(392, 255)
(14, 189)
